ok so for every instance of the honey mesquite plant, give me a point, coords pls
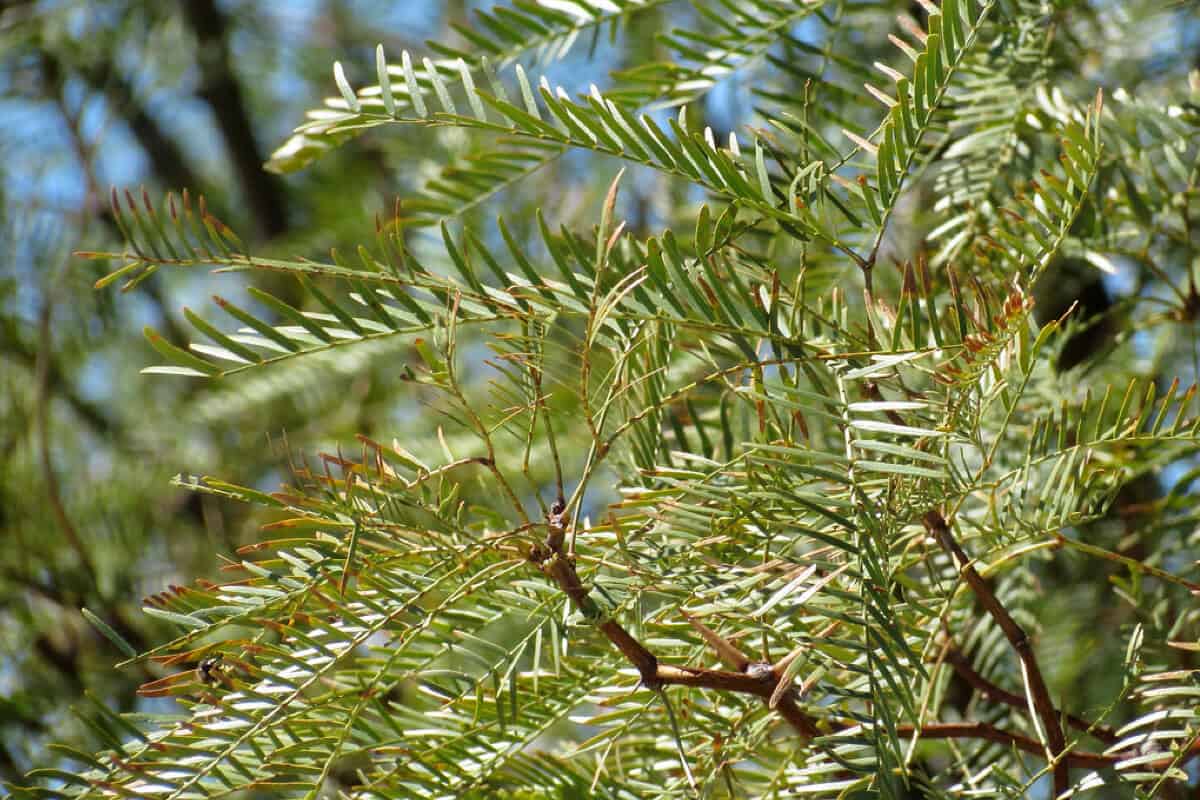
(802, 495)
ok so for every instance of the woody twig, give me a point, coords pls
(769, 682)
(1039, 702)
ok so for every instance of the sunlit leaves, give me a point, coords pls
(729, 428)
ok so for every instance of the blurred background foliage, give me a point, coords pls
(195, 94)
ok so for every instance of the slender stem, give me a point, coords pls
(983, 730)
(469, 411)
(1039, 696)
(687, 770)
(1125, 561)
(962, 665)
(536, 374)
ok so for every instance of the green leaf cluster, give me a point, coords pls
(732, 429)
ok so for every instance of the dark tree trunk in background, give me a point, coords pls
(220, 88)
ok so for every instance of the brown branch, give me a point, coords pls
(982, 730)
(1042, 704)
(962, 665)
(1072, 758)
(759, 680)
(762, 680)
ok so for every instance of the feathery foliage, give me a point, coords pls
(771, 502)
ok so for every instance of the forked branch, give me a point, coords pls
(962, 665)
(763, 680)
(759, 680)
(1039, 695)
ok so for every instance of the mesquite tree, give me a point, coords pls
(837, 481)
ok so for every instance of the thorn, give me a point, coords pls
(725, 650)
(782, 664)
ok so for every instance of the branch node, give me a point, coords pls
(1041, 704)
